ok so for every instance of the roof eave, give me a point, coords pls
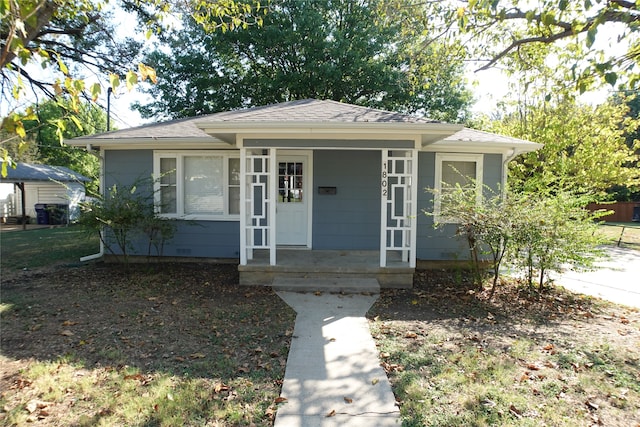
(150, 142)
(518, 147)
(429, 132)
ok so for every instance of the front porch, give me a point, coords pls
(328, 270)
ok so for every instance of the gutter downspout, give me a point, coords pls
(94, 256)
(506, 159)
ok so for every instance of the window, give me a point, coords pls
(290, 178)
(453, 170)
(198, 185)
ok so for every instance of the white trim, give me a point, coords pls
(384, 188)
(414, 208)
(273, 202)
(445, 146)
(244, 255)
(407, 181)
(443, 157)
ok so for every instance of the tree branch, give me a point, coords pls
(520, 42)
(43, 12)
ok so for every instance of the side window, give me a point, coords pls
(453, 171)
(168, 188)
(198, 185)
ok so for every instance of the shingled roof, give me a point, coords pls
(219, 129)
(302, 111)
(474, 135)
(316, 111)
(25, 172)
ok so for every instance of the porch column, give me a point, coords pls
(399, 193)
(244, 251)
(257, 203)
(273, 191)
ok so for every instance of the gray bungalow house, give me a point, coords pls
(287, 187)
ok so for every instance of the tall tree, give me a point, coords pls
(342, 50)
(74, 39)
(584, 151)
(500, 29)
(53, 124)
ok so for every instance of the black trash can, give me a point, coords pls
(42, 214)
(58, 213)
(636, 214)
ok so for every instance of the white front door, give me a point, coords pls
(292, 211)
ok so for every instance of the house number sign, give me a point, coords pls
(384, 182)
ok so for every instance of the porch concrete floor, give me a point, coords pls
(339, 259)
(338, 264)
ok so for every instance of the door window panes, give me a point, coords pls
(290, 182)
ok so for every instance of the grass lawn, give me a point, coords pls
(628, 233)
(184, 345)
(45, 247)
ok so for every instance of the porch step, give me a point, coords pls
(332, 284)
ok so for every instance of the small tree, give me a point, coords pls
(534, 232)
(486, 226)
(553, 232)
(124, 212)
(158, 231)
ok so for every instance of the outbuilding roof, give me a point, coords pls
(25, 172)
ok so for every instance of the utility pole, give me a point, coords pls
(109, 108)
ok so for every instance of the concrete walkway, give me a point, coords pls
(617, 279)
(333, 375)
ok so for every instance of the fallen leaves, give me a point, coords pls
(220, 387)
(592, 405)
(38, 410)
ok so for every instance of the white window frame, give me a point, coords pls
(456, 157)
(179, 156)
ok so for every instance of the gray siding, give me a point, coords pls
(493, 172)
(350, 219)
(442, 244)
(212, 239)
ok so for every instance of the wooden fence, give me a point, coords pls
(623, 211)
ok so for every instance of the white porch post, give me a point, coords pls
(398, 215)
(414, 209)
(384, 192)
(273, 191)
(243, 207)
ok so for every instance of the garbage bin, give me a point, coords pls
(42, 214)
(58, 213)
(636, 214)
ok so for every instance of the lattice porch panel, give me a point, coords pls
(399, 201)
(257, 200)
